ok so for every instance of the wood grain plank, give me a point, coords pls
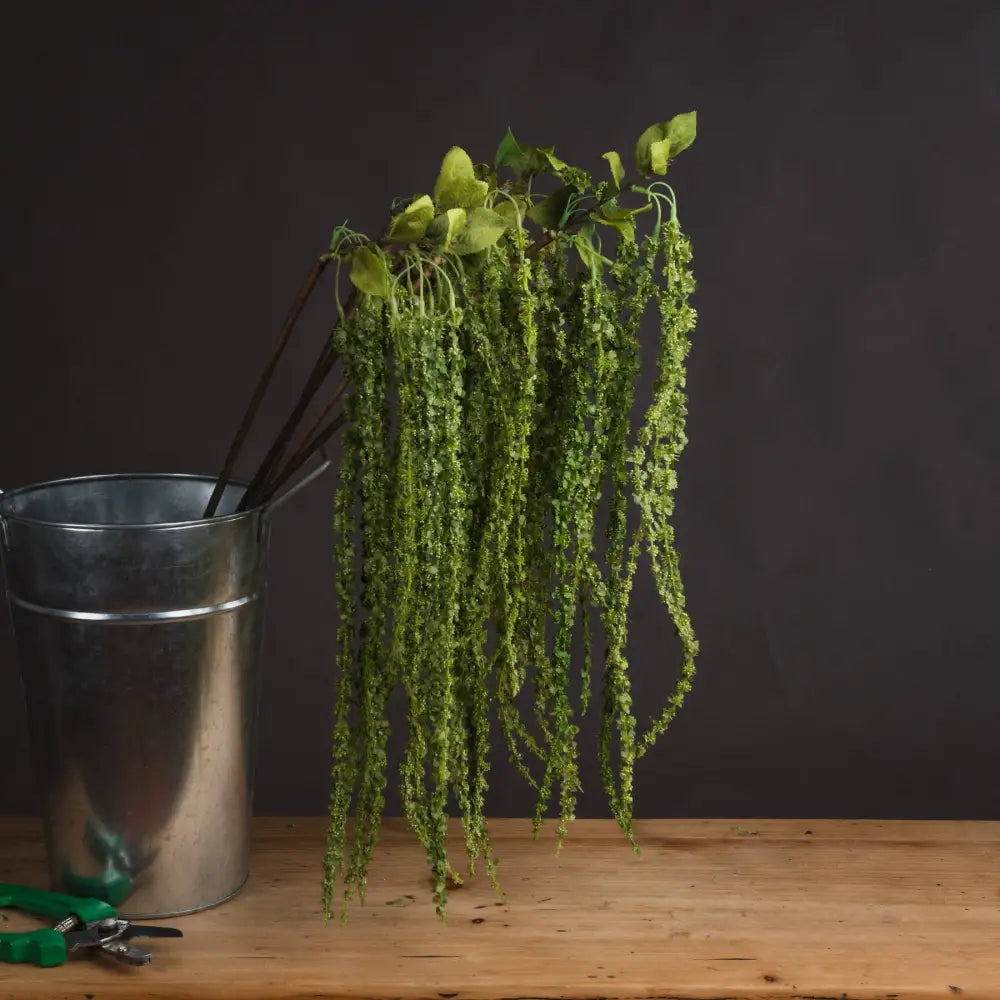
(742, 908)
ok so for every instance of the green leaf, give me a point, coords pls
(549, 212)
(411, 224)
(368, 272)
(623, 219)
(659, 154)
(554, 162)
(539, 160)
(617, 170)
(651, 156)
(535, 160)
(525, 160)
(483, 227)
(446, 225)
(508, 153)
(681, 131)
(624, 226)
(512, 212)
(457, 186)
(643, 152)
(486, 172)
(592, 260)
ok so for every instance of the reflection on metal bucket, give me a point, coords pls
(138, 629)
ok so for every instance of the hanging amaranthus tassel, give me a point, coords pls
(492, 377)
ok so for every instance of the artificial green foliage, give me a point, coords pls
(443, 228)
(550, 212)
(368, 271)
(411, 224)
(617, 170)
(526, 161)
(500, 486)
(481, 229)
(457, 185)
(661, 142)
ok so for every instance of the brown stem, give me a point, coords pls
(264, 380)
(549, 235)
(305, 441)
(324, 363)
(322, 367)
(304, 454)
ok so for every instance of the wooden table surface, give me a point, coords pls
(711, 909)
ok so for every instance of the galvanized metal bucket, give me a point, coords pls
(138, 629)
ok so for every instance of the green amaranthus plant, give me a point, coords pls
(490, 358)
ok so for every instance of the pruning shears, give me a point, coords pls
(83, 923)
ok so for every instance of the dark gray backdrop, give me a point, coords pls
(172, 169)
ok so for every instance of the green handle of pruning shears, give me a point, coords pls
(53, 905)
(45, 947)
(112, 885)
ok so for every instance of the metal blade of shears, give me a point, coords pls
(150, 931)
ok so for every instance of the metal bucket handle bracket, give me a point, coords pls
(269, 508)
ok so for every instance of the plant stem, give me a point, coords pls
(264, 380)
(550, 234)
(324, 364)
(322, 367)
(305, 453)
(305, 442)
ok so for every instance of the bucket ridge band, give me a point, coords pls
(127, 617)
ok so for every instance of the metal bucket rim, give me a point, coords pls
(129, 526)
